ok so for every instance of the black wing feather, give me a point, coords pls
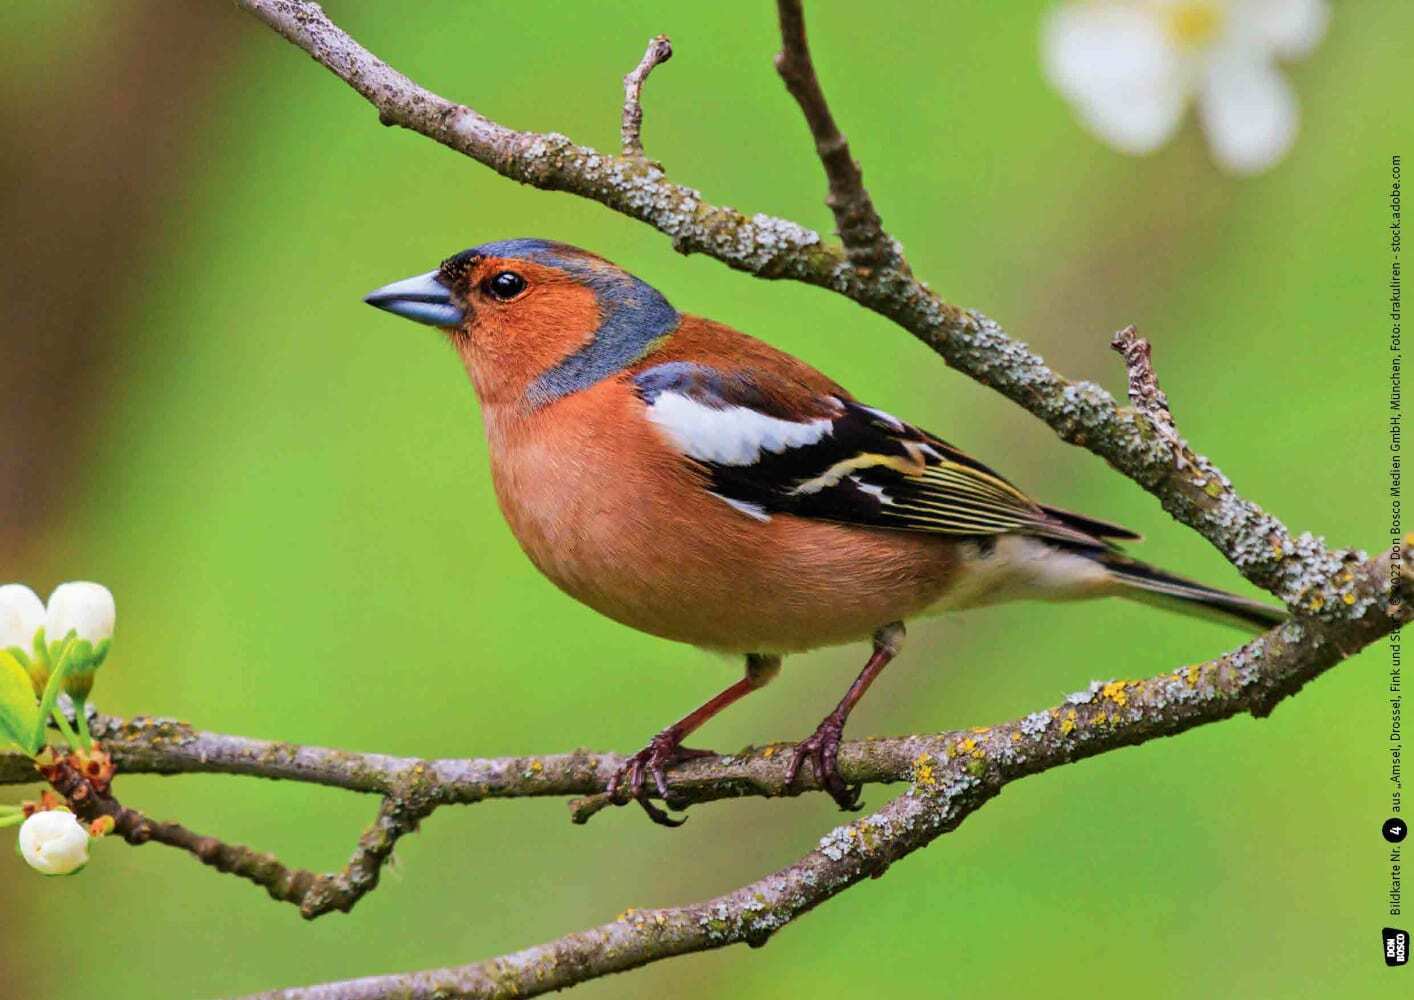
(870, 469)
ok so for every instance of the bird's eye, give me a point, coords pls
(504, 285)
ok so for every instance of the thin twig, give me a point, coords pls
(312, 893)
(859, 225)
(660, 50)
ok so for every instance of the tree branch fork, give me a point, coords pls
(1342, 600)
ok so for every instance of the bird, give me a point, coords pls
(695, 483)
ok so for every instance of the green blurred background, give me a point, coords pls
(288, 492)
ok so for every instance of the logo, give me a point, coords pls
(1396, 946)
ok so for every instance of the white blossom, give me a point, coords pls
(85, 609)
(1131, 68)
(21, 616)
(54, 842)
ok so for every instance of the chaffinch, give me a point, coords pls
(692, 482)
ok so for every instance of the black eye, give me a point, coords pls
(505, 285)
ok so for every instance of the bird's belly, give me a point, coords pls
(675, 561)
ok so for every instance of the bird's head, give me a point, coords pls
(533, 320)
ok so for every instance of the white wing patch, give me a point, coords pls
(730, 435)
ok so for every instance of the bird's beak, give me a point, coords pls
(423, 298)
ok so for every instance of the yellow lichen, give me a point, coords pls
(923, 771)
(1114, 691)
(968, 744)
(1069, 723)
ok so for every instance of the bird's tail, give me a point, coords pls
(1142, 582)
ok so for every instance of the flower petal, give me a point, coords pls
(82, 607)
(54, 842)
(1248, 111)
(21, 616)
(1116, 65)
(1289, 29)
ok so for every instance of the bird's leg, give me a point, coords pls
(666, 749)
(823, 746)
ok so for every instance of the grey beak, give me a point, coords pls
(423, 299)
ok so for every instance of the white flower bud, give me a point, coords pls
(54, 842)
(21, 616)
(82, 608)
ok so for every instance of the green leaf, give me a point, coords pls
(63, 663)
(19, 713)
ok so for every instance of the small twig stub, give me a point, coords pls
(1145, 394)
(659, 50)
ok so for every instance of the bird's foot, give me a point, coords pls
(662, 751)
(822, 747)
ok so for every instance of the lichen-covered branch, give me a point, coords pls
(950, 776)
(1298, 569)
(1108, 715)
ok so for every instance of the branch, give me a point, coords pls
(951, 776)
(1107, 716)
(1299, 570)
(660, 50)
(313, 894)
(858, 223)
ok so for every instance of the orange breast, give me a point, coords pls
(611, 513)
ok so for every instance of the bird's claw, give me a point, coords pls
(662, 751)
(822, 747)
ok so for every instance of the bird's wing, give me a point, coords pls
(771, 444)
